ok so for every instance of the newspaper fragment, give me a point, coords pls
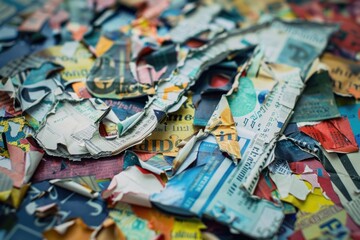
(194, 24)
(20, 65)
(72, 139)
(348, 111)
(313, 203)
(214, 178)
(308, 170)
(265, 122)
(209, 88)
(290, 184)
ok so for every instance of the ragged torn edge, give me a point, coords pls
(53, 110)
(142, 164)
(74, 187)
(134, 185)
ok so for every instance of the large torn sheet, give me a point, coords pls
(189, 191)
(265, 123)
(70, 126)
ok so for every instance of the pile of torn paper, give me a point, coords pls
(159, 119)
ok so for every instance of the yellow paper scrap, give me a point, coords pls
(184, 230)
(103, 45)
(73, 229)
(314, 202)
(108, 230)
(222, 126)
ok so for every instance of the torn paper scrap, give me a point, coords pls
(195, 23)
(73, 186)
(264, 122)
(130, 223)
(167, 135)
(331, 222)
(76, 67)
(183, 195)
(70, 125)
(344, 74)
(317, 102)
(133, 185)
(222, 126)
(314, 201)
(290, 184)
(335, 135)
(71, 229)
(107, 230)
(47, 210)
